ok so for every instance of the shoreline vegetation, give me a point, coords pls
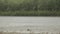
(29, 33)
(29, 7)
(29, 13)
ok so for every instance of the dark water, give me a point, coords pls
(33, 23)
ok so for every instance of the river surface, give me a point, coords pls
(33, 23)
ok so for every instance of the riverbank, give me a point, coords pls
(29, 13)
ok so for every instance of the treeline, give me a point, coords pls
(51, 5)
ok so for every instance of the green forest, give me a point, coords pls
(29, 7)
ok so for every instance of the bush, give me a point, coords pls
(29, 5)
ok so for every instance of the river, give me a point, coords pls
(32, 23)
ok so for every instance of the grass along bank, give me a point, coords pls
(29, 13)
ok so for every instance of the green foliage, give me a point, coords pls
(30, 13)
(30, 5)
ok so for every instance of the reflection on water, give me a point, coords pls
(33, 23)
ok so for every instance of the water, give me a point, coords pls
(51, 24)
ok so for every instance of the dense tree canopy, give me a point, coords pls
(29, 5)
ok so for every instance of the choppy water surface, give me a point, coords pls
(33, 23)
